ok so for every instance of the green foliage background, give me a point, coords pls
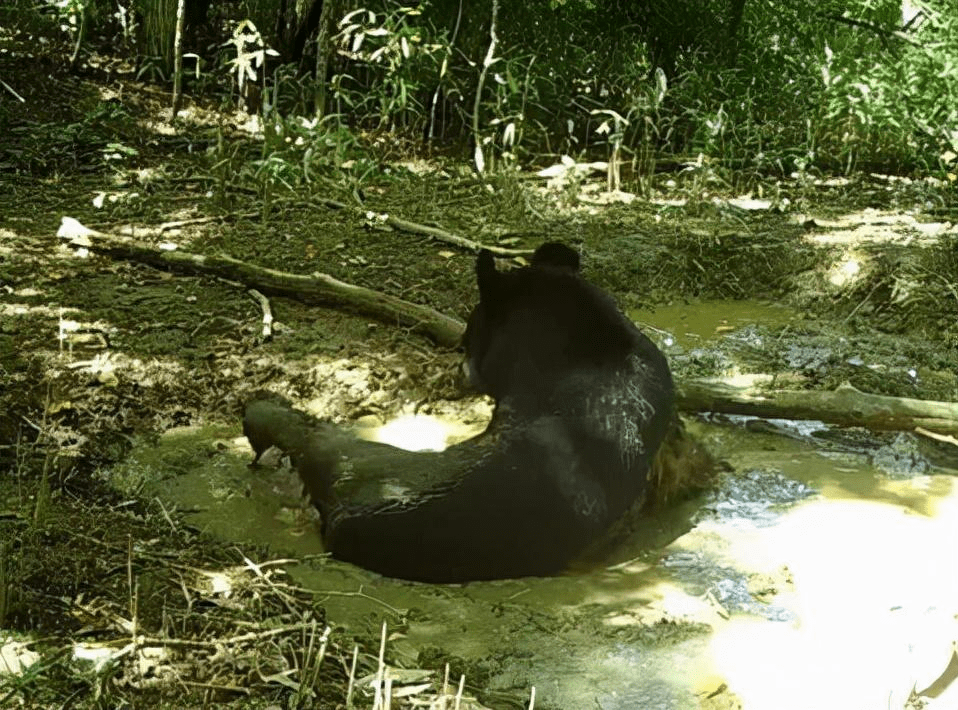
(760, 87)
(797, 85)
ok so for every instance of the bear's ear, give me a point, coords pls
(486, 274)
(556, 255)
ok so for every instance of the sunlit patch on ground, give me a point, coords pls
(414, 432)
(426, 432)
(873, 225)
(874, 603)
(15, 657)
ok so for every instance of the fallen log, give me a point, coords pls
(313, 288)
(846, 406)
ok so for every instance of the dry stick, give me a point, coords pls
(10, 89)
(323, 643)
(139, 231)
(303, 685)
(352, 678)
(380, 670)
(462, 684)
(267, 313)
(445, 686)
(937, 437)
(846, 406)
(186, 594)
(81, 33)
(362, 595)
(166, 514)
(177, 224)
(132, 587)
(400, 225)
(312, 662)
(326, 594)
(440, 235)
(231, 640)
(324, 50)
(198, 570)
(862, 303)
(258, 571)
(212, 686)
(162, 642)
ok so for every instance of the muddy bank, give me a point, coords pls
(751, 596)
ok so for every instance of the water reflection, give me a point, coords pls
(690, 327)
(874, 598)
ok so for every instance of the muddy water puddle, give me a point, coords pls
(691, 326)
(811, 579)
(852, 594)
(821, 574)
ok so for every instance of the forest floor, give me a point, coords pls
(101, 357)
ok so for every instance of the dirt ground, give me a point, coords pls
(99, 355)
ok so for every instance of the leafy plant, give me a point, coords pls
(390, 48)
(251, 53)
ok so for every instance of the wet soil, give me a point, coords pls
(129, 521)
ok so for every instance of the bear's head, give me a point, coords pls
(535, 326)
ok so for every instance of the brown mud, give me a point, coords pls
(131, 527)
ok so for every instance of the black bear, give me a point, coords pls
(584, 401)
